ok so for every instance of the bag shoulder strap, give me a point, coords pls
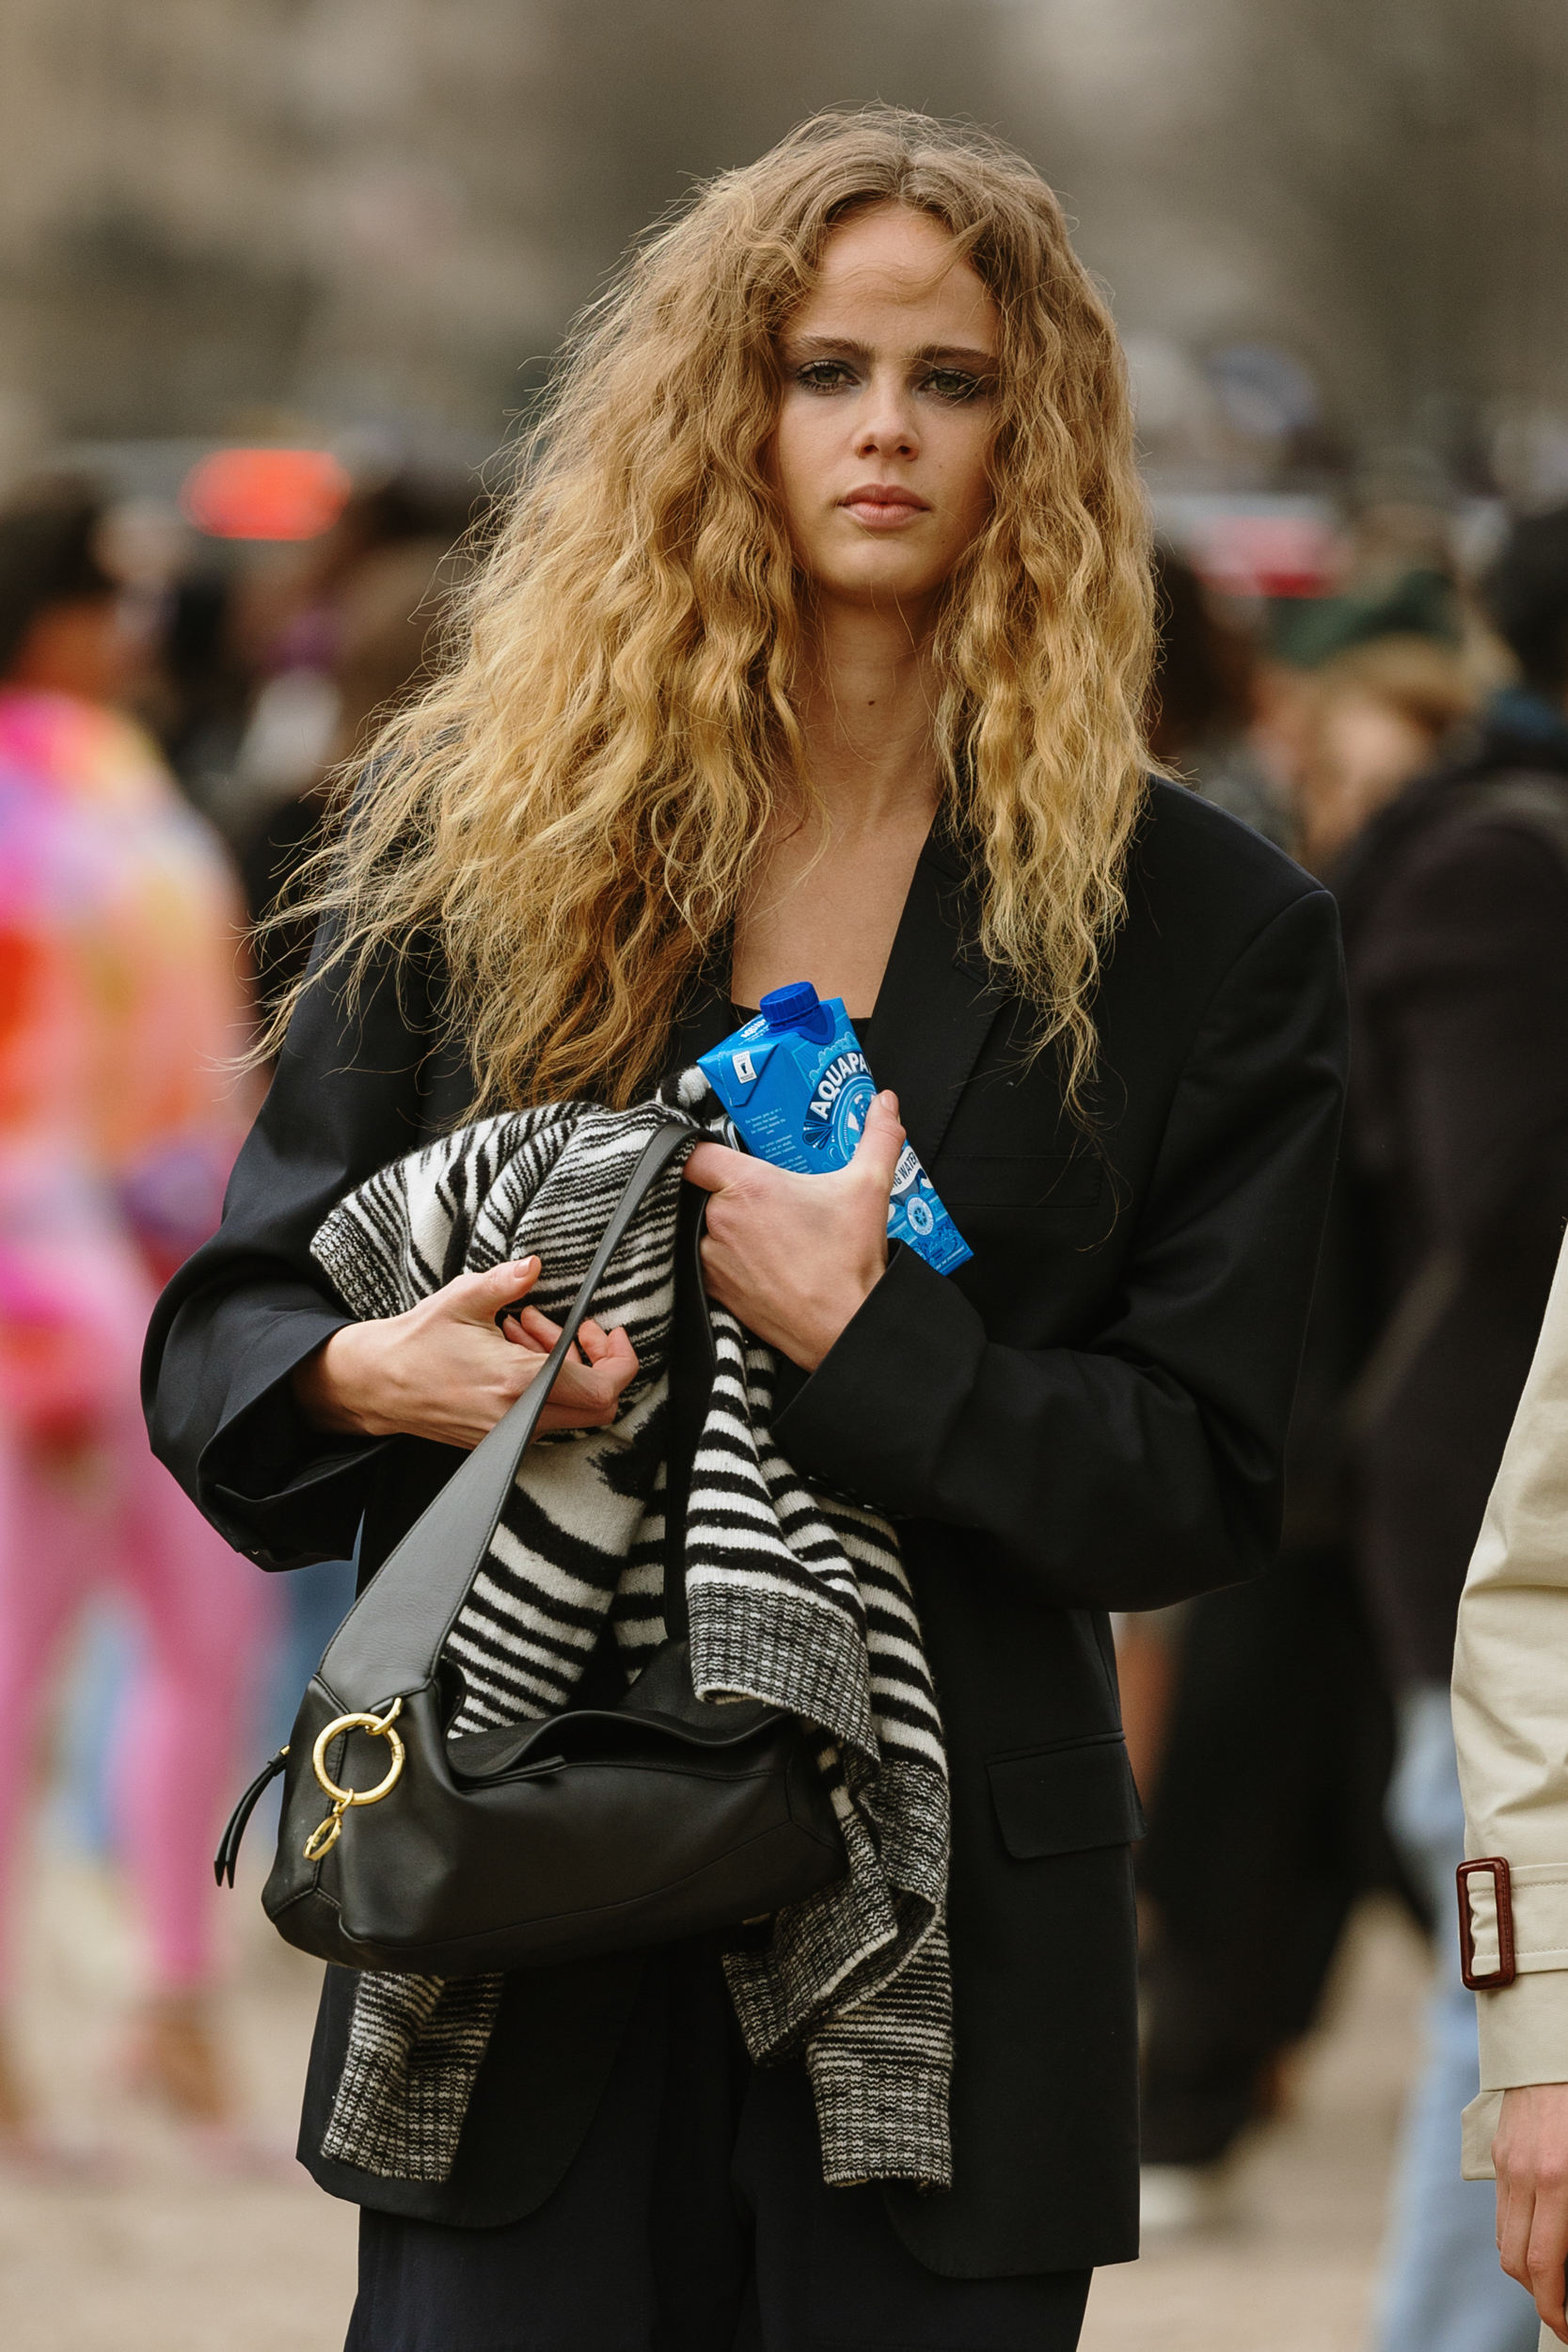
(390, 1640)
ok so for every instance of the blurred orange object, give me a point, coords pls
(265, 493)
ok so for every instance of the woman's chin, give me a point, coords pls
(882, 587)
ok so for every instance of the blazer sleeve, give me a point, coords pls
(1148, 1465)
(351, 1094)
(1511, 1722)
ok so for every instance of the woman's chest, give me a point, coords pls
(827, 913)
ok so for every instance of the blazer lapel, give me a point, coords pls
(705, 1019)
(934, 1010)
(937, 1003)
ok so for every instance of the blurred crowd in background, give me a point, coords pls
(169, 721)
(270, 281)
(182, 681)
(1404, 734)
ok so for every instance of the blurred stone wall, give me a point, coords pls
(1378, 187)
(1336, 232)
(209, 209)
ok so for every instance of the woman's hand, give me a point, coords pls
(445, 1370)
(1530, 2155)
(795, 1257)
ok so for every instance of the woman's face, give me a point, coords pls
(887, 413)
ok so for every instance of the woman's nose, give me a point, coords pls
(887, 429)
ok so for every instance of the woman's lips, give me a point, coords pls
(882, 506)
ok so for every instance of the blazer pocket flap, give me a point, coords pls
(1065, 1797)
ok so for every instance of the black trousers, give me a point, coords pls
(693, 2219)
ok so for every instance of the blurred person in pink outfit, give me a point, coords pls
(119, 1000)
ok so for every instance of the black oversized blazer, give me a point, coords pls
(1089, 1416)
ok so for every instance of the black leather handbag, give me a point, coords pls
(593, 1831)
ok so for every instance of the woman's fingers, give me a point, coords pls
(714, 1165)
(533, 1329)
(1514, 2213)
(1530, 2155)
(479, 1297)
(587, 1396)
(1545, 2250)
(881, 1142)
(438, 1371)
(597, 1342)
(606, 1372)
(592, 1380)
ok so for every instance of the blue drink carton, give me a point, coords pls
(797, 1088)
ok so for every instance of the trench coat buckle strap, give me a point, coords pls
(1486, 1979)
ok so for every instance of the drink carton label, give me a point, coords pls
(801, 1101)
(839, 1101)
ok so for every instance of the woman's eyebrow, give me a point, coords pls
(963, 354)
(845, 347)
(826, 347)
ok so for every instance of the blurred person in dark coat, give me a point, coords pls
(1199, 711)
(1274, 1741)
(1455, 907)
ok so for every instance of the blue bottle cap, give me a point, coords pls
(789, 1007)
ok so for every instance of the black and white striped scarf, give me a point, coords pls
(794, 1597)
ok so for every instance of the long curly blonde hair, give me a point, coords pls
(574, 808)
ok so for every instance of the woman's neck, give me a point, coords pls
(865, 715)
(825, 906)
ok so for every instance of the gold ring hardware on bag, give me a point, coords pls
(324, 1836)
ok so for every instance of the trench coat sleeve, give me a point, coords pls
(1145, 1466)
(1510, 1724)
(349, 1095)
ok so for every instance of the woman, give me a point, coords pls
(815, 648)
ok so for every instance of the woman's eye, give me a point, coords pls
(954, 384)
(824, 375)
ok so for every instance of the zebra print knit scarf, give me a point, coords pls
(795, 1596)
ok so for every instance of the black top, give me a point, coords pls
(1089, 1415)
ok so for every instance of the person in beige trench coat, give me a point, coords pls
(1511, 1726)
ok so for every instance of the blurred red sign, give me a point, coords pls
(1268, 555)
(265, 493)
